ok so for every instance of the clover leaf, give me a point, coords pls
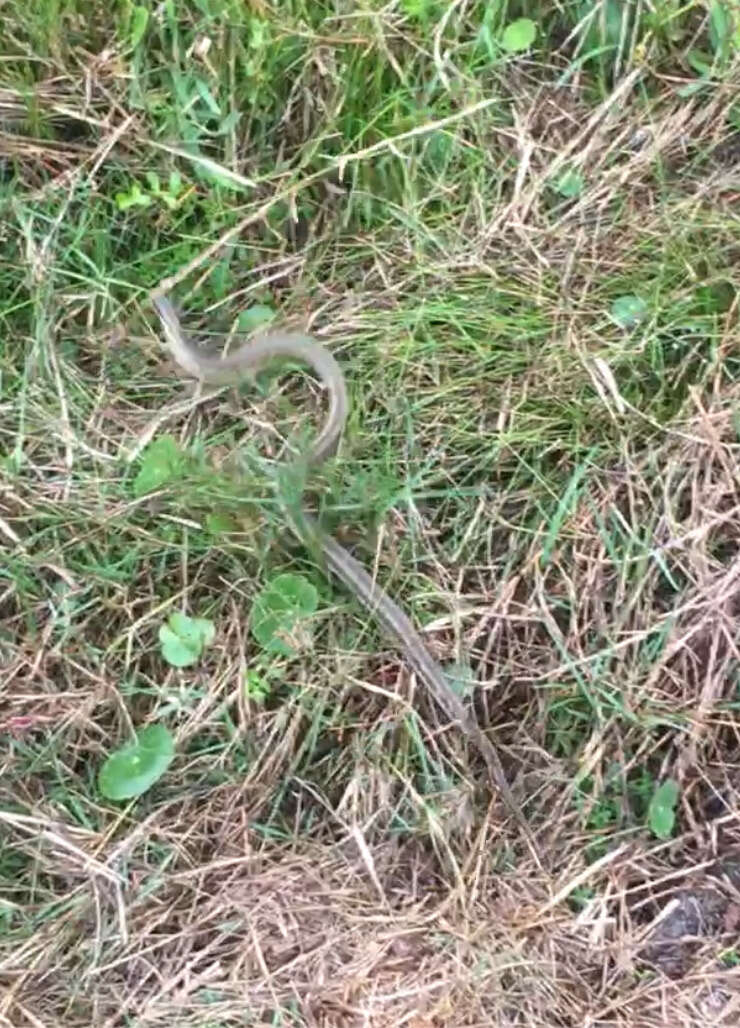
(183, 639)
(134, 768)
(278, 611)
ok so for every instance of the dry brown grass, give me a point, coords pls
(451, 924)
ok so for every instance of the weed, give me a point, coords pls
(183, 639)
(134, 768)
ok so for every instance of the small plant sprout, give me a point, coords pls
(256, 686)
(628, 311)
(570, 184)
(182, 639)
(259, 315)
(662, 809)
(281, 612)
(161, 462)
(171, 195)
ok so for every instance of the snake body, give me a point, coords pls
(246, 361)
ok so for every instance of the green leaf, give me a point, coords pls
(134, 768)
(220, 523)
(229, 123)
(162, 461)
(207, 97)
(606, 26)
(256, 686)
(255, 317)
(700, 62)
(715, 298)
(570, 184)
(691, 89)
(460, 677)
(169, 196)
(628, 311)
(279, 610)
(260, 33)
(421, 10)
(183, 639)
(720, 27)
(566, 506)
(661, 811)
(135, 197)
(519, 35)
(139, 22)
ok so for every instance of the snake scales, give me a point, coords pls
(245, 362)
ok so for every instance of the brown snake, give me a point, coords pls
(246, 361)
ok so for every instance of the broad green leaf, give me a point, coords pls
(183, 639)
(628, 311)
(152, 180)
(519, 35)
(255, 317)
(134, 768)
(279, 610)
(139, 22)
(570, 184)
(662, 809)
(162, 461)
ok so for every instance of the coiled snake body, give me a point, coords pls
(245, 362)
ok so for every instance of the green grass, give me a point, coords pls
(552, 498)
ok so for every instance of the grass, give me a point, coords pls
(552, 496)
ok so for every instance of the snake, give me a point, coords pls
(243, 364)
